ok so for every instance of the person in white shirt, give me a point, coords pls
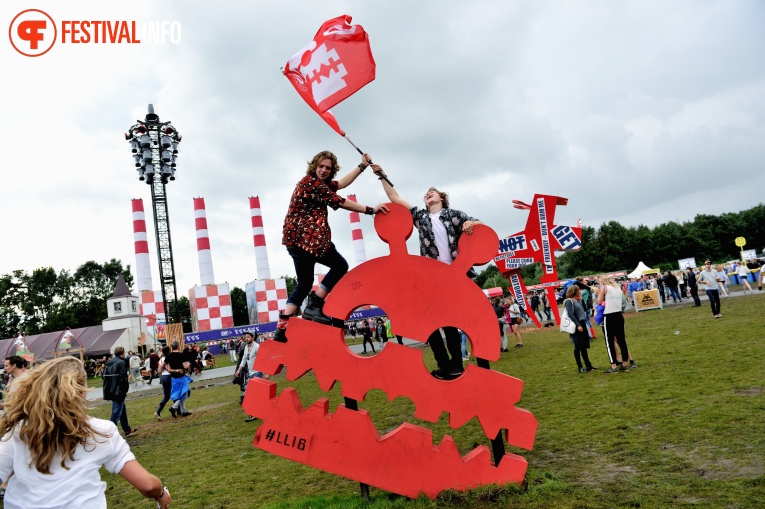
(440, 229)
(743, 272)
(249, 352)
(55, 450)
(708, 279)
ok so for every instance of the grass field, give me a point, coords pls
(686, 428)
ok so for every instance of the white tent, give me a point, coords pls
(641, 269)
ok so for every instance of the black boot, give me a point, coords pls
(314, 310)
(281, 328)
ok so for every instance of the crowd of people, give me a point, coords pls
(49, 441)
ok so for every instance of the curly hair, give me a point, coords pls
(314, 163)
(444, 196)
(46, 409)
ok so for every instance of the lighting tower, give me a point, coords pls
(155, 146)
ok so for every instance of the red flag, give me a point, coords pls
(332, 67)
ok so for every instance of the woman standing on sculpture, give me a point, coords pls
(308, 238)
(613, 324)
(55, 450)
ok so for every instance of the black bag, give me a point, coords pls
(240, 378)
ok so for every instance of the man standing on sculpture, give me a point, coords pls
(439, 228)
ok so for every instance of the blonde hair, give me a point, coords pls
(605, 280)
(46, 409)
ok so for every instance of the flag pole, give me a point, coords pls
(382, 177)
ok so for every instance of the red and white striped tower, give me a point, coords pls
(359, 252)
(206, 275)
(142, 266)
(259, 239)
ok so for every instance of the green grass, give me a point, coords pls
(683, 429)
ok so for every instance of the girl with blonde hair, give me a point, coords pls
(55, 450)
(613, 324)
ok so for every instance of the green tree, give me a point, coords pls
(184, 312)
(239, 306)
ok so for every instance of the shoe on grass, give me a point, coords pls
(131, 432)
(583, 370)
(250, 418)
(592, 368)
(624, 368)
(611, 370)
(632, 364)
(173, 412)
(157, 416)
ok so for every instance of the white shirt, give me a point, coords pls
(743, 270)
(710, 278)
(79, 487)
(441, 239)
(613, 300)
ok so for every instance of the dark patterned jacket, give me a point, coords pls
(306, 225)
(452, 220)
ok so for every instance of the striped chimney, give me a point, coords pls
(358, 236)
(142, 266)
(259, 239)
(203, 243)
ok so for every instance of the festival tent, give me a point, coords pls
(641, 269)
(95, 341)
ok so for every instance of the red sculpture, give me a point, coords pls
(417, 293)
(537, 243)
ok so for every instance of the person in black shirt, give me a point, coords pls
(180, 388)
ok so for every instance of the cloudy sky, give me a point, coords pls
(640, 112)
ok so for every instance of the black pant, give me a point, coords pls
(368, 339)
(714, 301)
(695, 295)
(304, 269)
(613, 328)
(400, 339)
(167, 385)
(453, 344)
(581, 343)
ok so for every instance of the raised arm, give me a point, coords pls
(349, 177)
(390, 191)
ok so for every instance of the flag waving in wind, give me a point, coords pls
(332, 67)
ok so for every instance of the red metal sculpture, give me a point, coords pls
(418, 295)
(537, 243)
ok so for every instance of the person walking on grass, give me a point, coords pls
(708, 279)
(512, 315)
(366, 333)
(613, 325)
(179, 389)
(247, 366)
(693, 286)
(115, 389)
(581, 335)
(165, 380)
(743, 272)
(55, 450)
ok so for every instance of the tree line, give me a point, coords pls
(48, 301)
